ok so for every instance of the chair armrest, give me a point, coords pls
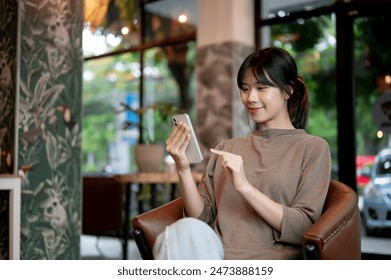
(147, 226)
(337, 233)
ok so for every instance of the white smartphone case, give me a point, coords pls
(193, 151)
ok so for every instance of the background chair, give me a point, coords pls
(336, 235)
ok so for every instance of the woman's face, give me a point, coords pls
(267, 105)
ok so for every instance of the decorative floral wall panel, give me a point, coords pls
(50, 128)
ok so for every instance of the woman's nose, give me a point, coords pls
(253, 95)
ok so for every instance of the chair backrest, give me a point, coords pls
(337, 233)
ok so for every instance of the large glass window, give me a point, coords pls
(312, 31)
(373, 123)
(372, 64)
(108, 82)
(133, 85)
(272, 9)
(169, 19)
(312, 42)
(110, 25)
(169, 84)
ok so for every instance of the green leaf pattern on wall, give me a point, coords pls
(49, 128)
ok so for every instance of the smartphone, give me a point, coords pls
(193, 151)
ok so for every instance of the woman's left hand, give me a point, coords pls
(233, 164)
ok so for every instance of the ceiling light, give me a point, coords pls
(182, 18)
(124, 30)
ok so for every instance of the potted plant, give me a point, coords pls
(149, 153)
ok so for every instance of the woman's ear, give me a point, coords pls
(288, 93)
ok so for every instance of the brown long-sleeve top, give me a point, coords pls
(290, 166)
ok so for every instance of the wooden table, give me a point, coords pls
(143, 178)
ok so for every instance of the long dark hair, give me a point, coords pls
(275, 67)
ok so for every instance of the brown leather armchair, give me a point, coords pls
(336, 235)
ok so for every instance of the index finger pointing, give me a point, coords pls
(217, 152)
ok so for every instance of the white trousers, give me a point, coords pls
(188, 239)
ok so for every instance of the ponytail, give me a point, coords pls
(298, 104)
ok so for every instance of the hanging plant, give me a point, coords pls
(128, 11)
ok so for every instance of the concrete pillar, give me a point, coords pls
(225, 36)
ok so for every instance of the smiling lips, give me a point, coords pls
(254, 110)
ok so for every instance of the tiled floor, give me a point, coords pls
(110, 248)
(106, 248)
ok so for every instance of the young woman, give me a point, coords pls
(258, 192)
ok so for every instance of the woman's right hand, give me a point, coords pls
(176, 145)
